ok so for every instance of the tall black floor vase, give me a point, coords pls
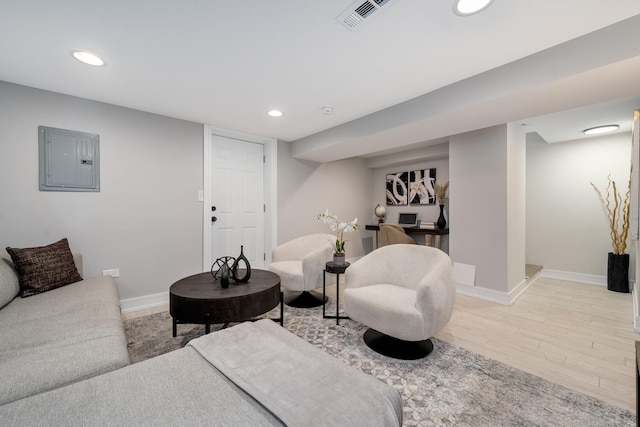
(618, 272)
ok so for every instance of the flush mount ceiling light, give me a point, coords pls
(600, 129)
(88, 58)
(275, 113)
(470, 7)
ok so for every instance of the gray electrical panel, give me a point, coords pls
(69, 160)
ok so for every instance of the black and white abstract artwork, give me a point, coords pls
(421, 183)
(397, 188)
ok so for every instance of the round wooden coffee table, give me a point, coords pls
(201, 299)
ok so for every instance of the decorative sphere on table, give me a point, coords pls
(380, 212)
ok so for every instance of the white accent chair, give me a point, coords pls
(404, 293)
(391, 234)
(300, 263)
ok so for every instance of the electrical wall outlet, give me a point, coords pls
(115, 272)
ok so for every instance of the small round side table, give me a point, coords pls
(336, 269)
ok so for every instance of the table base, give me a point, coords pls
(207, 325)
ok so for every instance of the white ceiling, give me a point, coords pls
(412, 74)
(568, 125)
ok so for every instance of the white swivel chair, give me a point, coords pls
(300, 263)
(404, 293)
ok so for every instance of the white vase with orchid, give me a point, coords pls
(340, 228)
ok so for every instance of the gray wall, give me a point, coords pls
(567, 227)
(146, 220)
(485, 192)
(306, 189)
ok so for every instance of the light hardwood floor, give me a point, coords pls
(580, 336)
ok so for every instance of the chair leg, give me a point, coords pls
(397, 348)
(306, 299)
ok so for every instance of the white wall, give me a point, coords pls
(145, 220)
(480, 200)
(567, 227)
(516, 205)
(306, 189)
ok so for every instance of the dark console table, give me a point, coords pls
(434, 233)
(202, 300)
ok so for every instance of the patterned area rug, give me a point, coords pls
(451, 386)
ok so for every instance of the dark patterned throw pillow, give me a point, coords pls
(43, 268)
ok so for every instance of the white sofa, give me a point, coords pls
(252, 374)
(61, 352)
(58, 337)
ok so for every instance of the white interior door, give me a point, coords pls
(237, 199)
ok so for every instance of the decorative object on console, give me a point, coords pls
(441, 193)
(380, 212)
(618, 261)
(442, 222)
(247, 267)
(340, 228)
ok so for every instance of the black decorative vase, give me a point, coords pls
(224, 276)
(618, 272)
(441, 223)
(220, 270)
(247, 268)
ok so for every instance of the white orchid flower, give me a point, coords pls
(339, 227)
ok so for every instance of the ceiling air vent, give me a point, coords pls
(355, 14)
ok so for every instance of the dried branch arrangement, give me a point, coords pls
(617, 210)
(441, 192)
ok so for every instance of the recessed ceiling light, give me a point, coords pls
(88, 58)
(600, 129)
(275, 113)
(470, 7)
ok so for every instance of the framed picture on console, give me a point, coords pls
(421, 187)
(397, 188)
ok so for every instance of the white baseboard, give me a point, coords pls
(142, 303)
(503, 298)
(483, 293)
(516, 292)
(589, 279)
